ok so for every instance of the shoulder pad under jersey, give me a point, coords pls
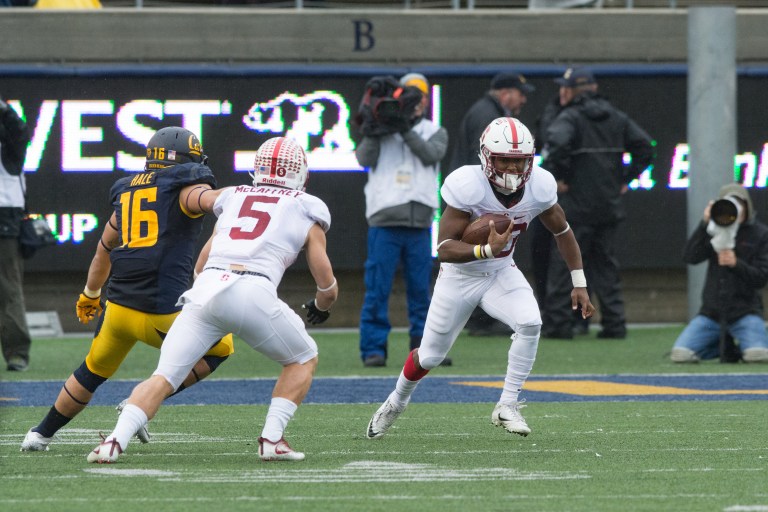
(542, 186)
(317, 210)
(462, 188)
(190, 174)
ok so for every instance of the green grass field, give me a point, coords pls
(582, 456)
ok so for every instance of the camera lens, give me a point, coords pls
(724, 212)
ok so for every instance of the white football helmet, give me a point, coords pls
(282, 162)
(506, 137)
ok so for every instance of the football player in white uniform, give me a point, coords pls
(259, 233)
(507, 182)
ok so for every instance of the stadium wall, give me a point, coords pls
(363, 37)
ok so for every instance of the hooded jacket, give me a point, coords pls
(730, 293)
(585, 147)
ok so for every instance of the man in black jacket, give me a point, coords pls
(737, 271)
(584, 151)
(506, 97)
(14, 333)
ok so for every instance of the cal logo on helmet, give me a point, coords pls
(171, 146)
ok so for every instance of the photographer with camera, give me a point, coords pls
(14, 333)
(402, 150)
(735, 244)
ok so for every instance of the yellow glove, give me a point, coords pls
(88, 308)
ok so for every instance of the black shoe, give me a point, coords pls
(617, 335)
(557, 334)
(446, 362)
(581, 328)
(17, 364)
(376, 360)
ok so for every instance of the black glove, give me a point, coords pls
(400, 124)
(314, 315)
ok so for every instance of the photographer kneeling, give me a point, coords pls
(736, 245)
(402, 150)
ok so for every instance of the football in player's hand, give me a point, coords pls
(478, 230)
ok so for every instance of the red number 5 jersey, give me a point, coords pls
(264, 228)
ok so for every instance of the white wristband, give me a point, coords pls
(578, 278)
(91, 294)
(327, 289)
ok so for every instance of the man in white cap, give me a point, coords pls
(401, 198)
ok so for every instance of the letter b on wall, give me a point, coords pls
(364, 40)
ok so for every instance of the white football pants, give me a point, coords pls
(246, 306)
(504, 295)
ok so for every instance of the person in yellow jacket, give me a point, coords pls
(68, 4)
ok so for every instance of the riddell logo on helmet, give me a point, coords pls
(272, 181)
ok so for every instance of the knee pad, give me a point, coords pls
(88, 379)
(428, 363)
(525, 342)
(214, 361)
(528, 331)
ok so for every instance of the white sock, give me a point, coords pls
(128, 423)
(403, 391)
(280, 412)
(517, 373)
(520, 359)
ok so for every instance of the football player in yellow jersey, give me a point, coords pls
(147, 251)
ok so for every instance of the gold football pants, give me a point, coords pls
(122, 327)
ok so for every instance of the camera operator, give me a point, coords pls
(401, 198)
(735, 244)
(14, 332)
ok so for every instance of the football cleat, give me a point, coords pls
(509, 417)
(35, 442)
(106, 453)
(382, 420)
(280, 450)
(143, 433)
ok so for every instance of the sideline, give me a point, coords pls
(442, 389)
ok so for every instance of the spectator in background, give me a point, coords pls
(506, 97)
(14, 333)
(540, 237)
(584, 151)
(161, 212)
(737, 255)
(401, 198)
(67, 4)
(17, 3)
